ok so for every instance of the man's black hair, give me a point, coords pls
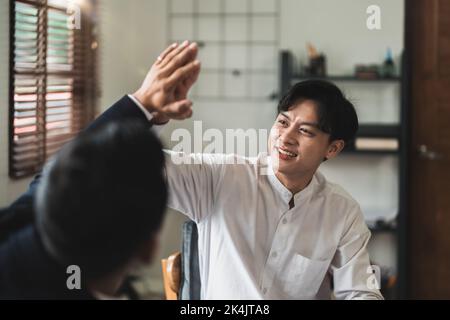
(103, 196)
(337, 115)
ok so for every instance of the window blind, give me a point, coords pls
(53, 78)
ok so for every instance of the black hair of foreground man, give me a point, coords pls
(101, 204)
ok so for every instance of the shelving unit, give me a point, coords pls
(347, 78)
(288, 76)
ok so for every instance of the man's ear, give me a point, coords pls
(334, 149)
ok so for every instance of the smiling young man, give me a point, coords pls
(289, 234)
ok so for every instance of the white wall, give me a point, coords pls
(338, 28)
(9, 189)
(132, 34)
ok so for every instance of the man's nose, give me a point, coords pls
(287, 136)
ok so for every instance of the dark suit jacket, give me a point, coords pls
(26, 270)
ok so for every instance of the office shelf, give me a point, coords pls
(379, 130)
(353, 151)
(300, 77)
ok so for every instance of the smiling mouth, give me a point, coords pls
(285, 154)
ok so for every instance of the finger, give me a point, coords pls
(174, 53)
(193, 77)
(186, 85)
(187, 115)
(163, 55)
(182, 73)
(185, 56)
(179, 110)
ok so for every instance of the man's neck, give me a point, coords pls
(107, 286)
(294, 184)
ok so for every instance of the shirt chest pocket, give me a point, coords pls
(304, 276)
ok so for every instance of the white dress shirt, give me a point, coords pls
(252, 246)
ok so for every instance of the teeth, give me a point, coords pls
(290, 154)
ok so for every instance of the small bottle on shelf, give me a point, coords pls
(388, 66)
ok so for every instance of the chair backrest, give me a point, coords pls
(190, 273)
(181, 273)
(171, 271)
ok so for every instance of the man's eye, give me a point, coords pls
(282, 122)
(305, 131)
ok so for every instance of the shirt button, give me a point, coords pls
(264, 290)
(284, 221)
(274, 255)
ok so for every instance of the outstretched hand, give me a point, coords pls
(165, 88)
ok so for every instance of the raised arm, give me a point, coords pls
(162, 94)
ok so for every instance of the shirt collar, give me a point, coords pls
(284, 193)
